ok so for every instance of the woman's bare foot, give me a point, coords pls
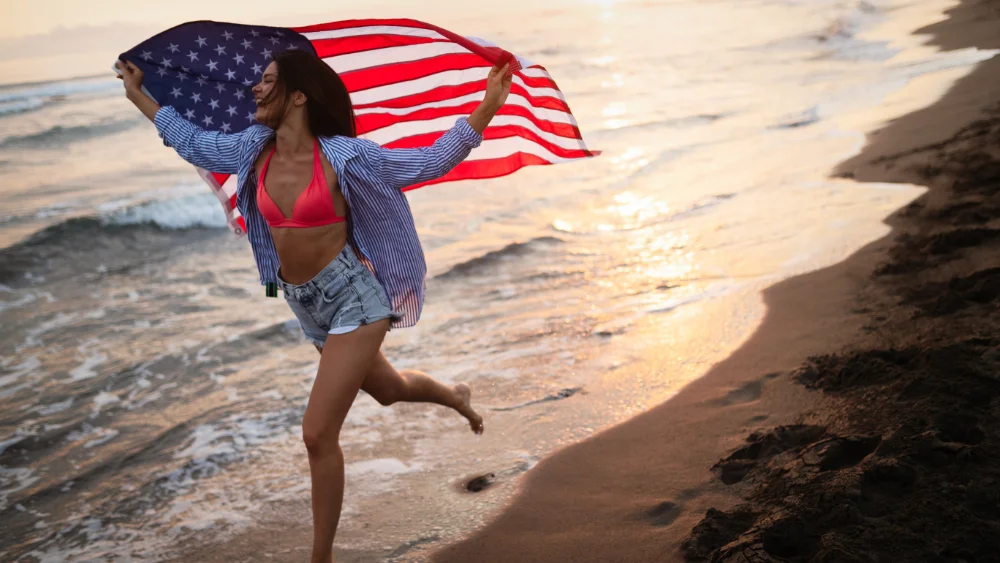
(465, 408)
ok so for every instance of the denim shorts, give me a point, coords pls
(342, 297)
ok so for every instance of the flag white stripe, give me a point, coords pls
(229, 186)
(373, 30)
(545, 114)
(405, 129)
(427, 83)
(450, 102)
(392, 55)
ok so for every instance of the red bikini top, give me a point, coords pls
(314, 206)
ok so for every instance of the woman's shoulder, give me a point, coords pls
(340, 141)
(253, 138)
(337, 147)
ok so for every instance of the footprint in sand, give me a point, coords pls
(668, 511)
(663, 514)
(746, 393)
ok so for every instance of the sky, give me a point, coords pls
(52, 39)
(24, 18)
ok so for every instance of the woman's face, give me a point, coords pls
(261, 92)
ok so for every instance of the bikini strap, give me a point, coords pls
(317, 163)
(267, 162)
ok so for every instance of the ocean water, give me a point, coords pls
(151, 396)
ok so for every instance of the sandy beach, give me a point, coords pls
(859, 423)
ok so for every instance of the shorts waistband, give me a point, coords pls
(344, 262)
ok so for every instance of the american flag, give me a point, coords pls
(408, 81)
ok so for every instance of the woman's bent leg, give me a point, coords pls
(388, 386)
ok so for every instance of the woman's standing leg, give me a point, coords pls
(344, 364)
(389, 386)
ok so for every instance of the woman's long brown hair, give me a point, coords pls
(327, 102)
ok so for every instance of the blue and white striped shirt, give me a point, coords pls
(371, 179)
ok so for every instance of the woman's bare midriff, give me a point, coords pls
(303, 253)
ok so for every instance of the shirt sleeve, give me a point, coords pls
(212, 150)
(400, 168)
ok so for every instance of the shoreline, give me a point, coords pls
(656, 487)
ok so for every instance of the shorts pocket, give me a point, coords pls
(368, 288)
(336, 290)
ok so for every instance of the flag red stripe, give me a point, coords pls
(345, 46)
(483, 169)
(372, 121)
(538, 81)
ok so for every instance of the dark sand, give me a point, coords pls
(861, 422)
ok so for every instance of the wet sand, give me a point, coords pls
(859, 423)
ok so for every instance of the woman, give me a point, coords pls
(327, 208)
